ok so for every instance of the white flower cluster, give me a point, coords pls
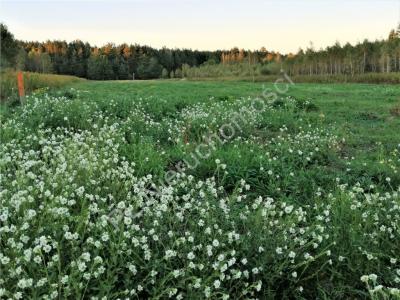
(76, 219)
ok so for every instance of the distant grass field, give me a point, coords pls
(192, 190)
(372, 78)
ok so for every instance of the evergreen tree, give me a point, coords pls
(149, 68)
(123, 70)
(99, 68)
(9, 47)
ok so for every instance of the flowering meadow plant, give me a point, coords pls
(277, 211)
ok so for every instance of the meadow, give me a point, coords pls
(214, 74)
(201, 189)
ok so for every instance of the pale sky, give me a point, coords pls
(283, 25)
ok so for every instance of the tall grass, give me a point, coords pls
(32, 82)
(391, 78)
(373, 78)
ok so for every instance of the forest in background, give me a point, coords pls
(111, 62)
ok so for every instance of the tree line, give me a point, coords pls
(378, 57)
(102, 63)
(381, 56)
(143, 62)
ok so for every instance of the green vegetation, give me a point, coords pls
(221, 72)
(100, 196)
(369, 61)
(32, 82)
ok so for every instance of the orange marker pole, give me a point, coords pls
(21, 89)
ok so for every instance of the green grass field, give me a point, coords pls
(193, 190)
